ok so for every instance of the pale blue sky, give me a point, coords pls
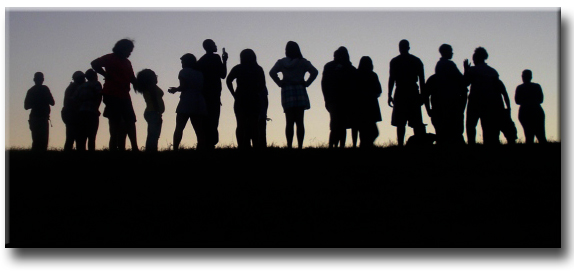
(61, 42)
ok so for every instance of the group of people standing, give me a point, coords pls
(351, 98)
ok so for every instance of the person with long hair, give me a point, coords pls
(294, 97)
(192, 105)
(118, 75)
(248, 103)
(365, 111)
(337, 83)
(147, 83)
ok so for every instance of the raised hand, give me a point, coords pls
(466, 64)
(224, 55)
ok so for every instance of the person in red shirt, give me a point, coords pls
(118, 75)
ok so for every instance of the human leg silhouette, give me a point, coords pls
(180, 123)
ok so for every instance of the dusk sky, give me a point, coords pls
(59, 42)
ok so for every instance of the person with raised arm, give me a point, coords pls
(214, 69)
(486, 100)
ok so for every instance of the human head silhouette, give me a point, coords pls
(341, 55)
(248, 57)
(445, 51)
(526, 76)
(188, 61)
(292, 50)
(79, 77)
(124, 48)
(209, 46)
(480, 55)
(91, 75)
(366, 64)
(404, 47)
(38, 78)
(146, 78)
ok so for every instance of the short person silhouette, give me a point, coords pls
(153, 96)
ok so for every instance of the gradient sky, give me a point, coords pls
(59, 42)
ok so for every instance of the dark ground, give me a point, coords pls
(507, 196)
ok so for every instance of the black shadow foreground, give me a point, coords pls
(472, 196)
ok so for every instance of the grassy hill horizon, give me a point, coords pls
(469, 196)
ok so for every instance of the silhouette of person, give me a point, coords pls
(90, 99)
(485, 101)
(337, 82)
(118, 75)
(530, 114)
(70, 110)
(405, 71)
(192, 104)
(153, 96)
(448, 95)
(248, 97)
(214, 70)
(294, 97)
(365, 110)
(507, 126)
(39, 99)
